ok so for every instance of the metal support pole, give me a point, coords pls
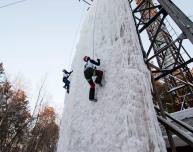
(185, 24)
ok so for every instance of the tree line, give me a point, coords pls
(20, 129)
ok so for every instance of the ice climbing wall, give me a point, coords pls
(123, 119)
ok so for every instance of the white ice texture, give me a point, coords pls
(123, 119)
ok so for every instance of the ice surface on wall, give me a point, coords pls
(123, 119)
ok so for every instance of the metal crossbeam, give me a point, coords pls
(174, 69)
(180, 123)
(185, 137)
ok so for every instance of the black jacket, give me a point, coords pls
(91, 64)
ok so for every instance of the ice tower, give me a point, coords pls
(123, 119)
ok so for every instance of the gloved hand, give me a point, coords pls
(98, 60)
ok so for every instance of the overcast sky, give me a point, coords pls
(36, 40)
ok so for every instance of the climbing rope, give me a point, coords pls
(94, 22)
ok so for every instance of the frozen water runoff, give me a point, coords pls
(123, 119)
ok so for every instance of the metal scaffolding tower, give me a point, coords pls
(164, 54)
(167, 59)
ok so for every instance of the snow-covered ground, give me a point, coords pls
(123, 119)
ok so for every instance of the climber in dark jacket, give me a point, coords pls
(90, 70)
(66, 81)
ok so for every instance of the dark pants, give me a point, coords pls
(99, 77)
(67, 84)
(89, 73)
